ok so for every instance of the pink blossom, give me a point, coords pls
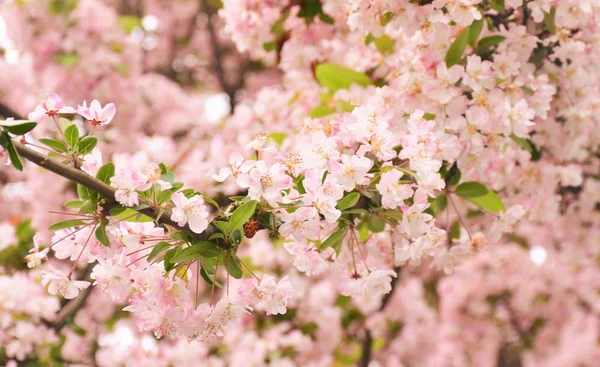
(191, 211)
(392, 191)
(127, 182)
(58, 283)
(234, 168)
(51, 106)
(96, 114)
(263, 182)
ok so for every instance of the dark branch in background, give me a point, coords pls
(367, 344)
(217, 51)
(76, 304)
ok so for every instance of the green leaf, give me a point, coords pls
(106, 172)
(180, 236)
(439, 203)
(471, 189)
(241, 215)
(55, 144)
(475, 31)
(335, 77)
(164, 196)
(224, 227)
(207, 278)
(320, 111)
(7, 143)
(211, 201)
(497, 5)
(66, 59)
(66, 224)
(101, 233)
(167, 259)
(385, 43)
(457, 48)
(375, 224)
(208, 249)
(490, 202)
(71, 136)
(335, 240)
(453, 176)
(56, 7)
(429, 116)
(454, 231)
(348, 201)
(489, 41)
(481, 196)
(84, 192)
(74, 204)
(18, 127)
(129, 22)
(187, 254)
(524, 143)
(549, 21)
(89, 206)
(87, 144)
(128, 215)
(232, 264)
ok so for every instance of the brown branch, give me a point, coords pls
(229, 89)
(102, 188)
(367, 344)
(82, 178)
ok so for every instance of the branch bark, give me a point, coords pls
(101, 188)
(367, 345)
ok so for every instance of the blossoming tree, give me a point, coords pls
(300, 182)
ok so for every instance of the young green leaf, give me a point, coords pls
(232, 264)
(348, 201)
(242, 214)
(74, 204)
(475, 31)
(157, 250)
(490, 202)
(106, 172)
(335, 240)
(471, 189)
(101, 233)
(66, 224)
(335, 77)
(207, 249)
(55, 144)
(489, 41)
(71, 135)
(457, 48)
(169, 265)
(376, 224)
(224, 227)
(12, 152)
(87, 144)
(18, 127)
(187, 254)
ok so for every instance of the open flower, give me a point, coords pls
(192, 211)
(96, 114)
(58, 283)
(51, 106)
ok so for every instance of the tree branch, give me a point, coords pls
(217, 52)
(367, 343)
(101, 188)
(82, 178)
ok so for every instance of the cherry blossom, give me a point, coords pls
(51, 106)
(191, 211)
